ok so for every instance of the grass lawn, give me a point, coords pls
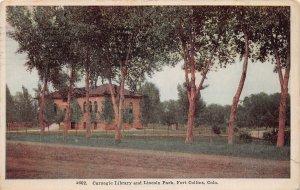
(136, 140)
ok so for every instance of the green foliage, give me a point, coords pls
(60, 116)
(128, 116)
(273, 135)
(24, 107)
(107, 113)
(183, 107)
(10, 107)
(274, 36)
(215, 115)
(216, 130)
(245, 137)
(76, 112)
(53, 113)
(37, 34)
(150, 105)
(170, 112)
(261, 110)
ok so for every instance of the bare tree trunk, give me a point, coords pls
(115, 107)
(41, 116)
(192, 92)
(191, 121)
(282, 109)
(88, 113)
(238, 92)
(118, 134)
(87, 97)
(67, 121)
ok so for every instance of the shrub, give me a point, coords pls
(271, 137)
(287, 137)
(235, 129)
(216, 129)
(245, 137)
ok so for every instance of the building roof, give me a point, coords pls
(102, 90)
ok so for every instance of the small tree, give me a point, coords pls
(76, 112)
(10, 107)
(107, 113)
(150, 105)
(183, 106)
(128, 116)
(51, 111)
(24, 106)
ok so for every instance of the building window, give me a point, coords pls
(130, 108)
(84, 125)
(95, 107)
(84, 107)
(55, 108)
(73, 124)
(95, 125)
(91, 106)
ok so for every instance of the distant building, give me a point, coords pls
(97, 97)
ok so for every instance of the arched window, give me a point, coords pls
(84, 107)
(130, 108)
(55, 108)
(95, 107)
(91, 106)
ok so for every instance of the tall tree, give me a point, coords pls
(246, 27)
(150, 105)
(87, 30)
(34, 30)
(275, 43)
(201, 36)
(70, 48)
(129, 51)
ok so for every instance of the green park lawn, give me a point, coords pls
(162, 140)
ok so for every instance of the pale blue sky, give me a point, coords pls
(222, 83)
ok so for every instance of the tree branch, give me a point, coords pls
(200, 86)
(113, 97)
(186, 61)
(278, 68)
(277, 60)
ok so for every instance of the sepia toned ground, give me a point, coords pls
(34, 160)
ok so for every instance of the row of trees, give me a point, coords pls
(256, 110)
(122, 44)
(23, 107)
(20, 107)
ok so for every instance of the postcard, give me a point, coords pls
(150, 94)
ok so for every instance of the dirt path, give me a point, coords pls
(34, 160)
